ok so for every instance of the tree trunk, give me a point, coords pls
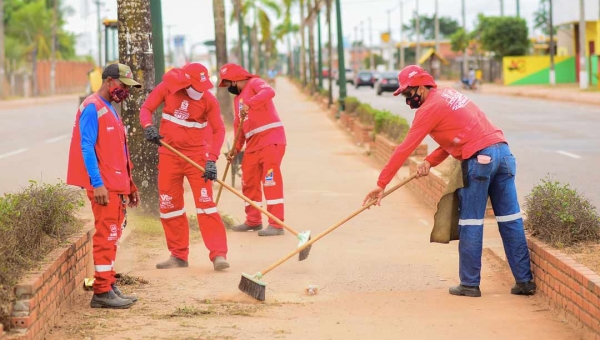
(302, 46)
(311, 52)
(255, 47)
(53, 49)
(225, 99)
(34, 78)
(135, 50)
(330, 53)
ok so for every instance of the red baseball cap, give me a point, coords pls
(413, 75)
(198, 76)
(234, 72)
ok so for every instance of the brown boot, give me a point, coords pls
(172, 262)
(219, 263)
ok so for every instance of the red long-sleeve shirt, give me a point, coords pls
(454, 122)
(262, 126)
(190, 126)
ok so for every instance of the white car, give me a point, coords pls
(349, 76)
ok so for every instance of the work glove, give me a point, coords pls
(210, 171)
(151, 134)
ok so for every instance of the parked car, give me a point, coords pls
(364, 78)
(349, 76)
(388, 82)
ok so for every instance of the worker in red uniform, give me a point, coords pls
(99, 162)
(463, 131)
(192, 124)
(264, 137)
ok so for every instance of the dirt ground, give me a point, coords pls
(378, 275)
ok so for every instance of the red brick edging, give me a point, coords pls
(43, 296)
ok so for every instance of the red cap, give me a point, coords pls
(234, 72)
(198, 76)
(413, 75)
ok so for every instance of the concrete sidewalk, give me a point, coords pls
(379, 277)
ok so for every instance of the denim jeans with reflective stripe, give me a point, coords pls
(496, 180)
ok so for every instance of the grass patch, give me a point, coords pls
(214, 309)
(127, 280)
(145, 226)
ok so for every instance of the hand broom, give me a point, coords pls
(251, 284)
(304, 236)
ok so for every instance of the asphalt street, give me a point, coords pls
(558, 140)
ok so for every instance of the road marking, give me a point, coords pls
(12, 153)
(56, 139)
(568, 154)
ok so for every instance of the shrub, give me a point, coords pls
(366, 114)
(33, 222)
(560, 216)
(350, 105)
(390, 125)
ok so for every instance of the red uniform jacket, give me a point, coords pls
(454, 122)
(184, 120)
(262, 126)
(113, 159)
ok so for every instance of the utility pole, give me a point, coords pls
(98, 4)
(52, 47)
(519, 9)
(371, 56)
(437, 28)
(418, 30)
(169, 45)
(464, 22)
(360, 47)
(319, 54)
(158, 43)
(551, 24)
(341, 63)
(2, 55)
(240, 20)
(390, 43)
(501, 8)
(583, 76)
(355, 50)
(329, 54)
(401, 35)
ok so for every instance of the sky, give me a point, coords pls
(194, 18)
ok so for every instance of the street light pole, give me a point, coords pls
(401, 34)
(418, 29)
(319, 57)
(341, 63)
(437, 28)
(371, 56)
(583, 77)
(551, 24)
(98, 4)
(501, 8)
(157, 40)
(464, 22)
(519, 9)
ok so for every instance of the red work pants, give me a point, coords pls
(261, 171)
(108, 221)
(171, 171)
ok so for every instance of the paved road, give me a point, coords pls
(548, 138)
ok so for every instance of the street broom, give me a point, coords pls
(303, 237)
(251, 284)
(235, 140)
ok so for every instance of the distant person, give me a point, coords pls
(464, 132)
(272, 76)
(99, 162)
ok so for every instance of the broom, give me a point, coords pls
(251, 284)
(304, 236)
(235, 139)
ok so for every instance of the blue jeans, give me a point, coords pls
(496, 180)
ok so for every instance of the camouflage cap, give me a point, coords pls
(121, 72)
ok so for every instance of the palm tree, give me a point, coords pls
(287, 29)
(221, 51)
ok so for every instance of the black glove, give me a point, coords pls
(210, 172)
(151, 134)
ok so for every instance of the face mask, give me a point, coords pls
(233, 89)
(414, 102)
(118, 94)
(195, 95)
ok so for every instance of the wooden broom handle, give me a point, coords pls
(235, 139)
(332, 228)
(237, 193)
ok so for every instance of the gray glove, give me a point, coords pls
(210, 172)
(151, 134)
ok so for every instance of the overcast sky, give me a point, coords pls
(194, 18)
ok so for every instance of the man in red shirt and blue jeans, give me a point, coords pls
(463, 131)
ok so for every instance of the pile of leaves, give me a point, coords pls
(560, 216)
(33, 222)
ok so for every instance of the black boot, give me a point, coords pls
(460, 290)
(245, 227)
(271, 231)
(120, 294)
(524, 288)
(109, 300)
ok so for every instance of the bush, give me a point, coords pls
(350, 105)
(33, 222)
(366, 114)
(390, 125)
(560, 216)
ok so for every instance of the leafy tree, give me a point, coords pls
(427, 27)
(505, 36)
(459, 41)
(541, 17)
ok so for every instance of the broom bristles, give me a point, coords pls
(303, 254)
(304, 237)
(253, 287)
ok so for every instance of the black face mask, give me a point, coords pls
(414, 102)
(233, 89)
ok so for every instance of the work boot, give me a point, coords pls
(271, 231)
(120, 294)
(109, 300)
(472, 291)
(172, 262)
(245, 227)
(219, 263)
(524, 288)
